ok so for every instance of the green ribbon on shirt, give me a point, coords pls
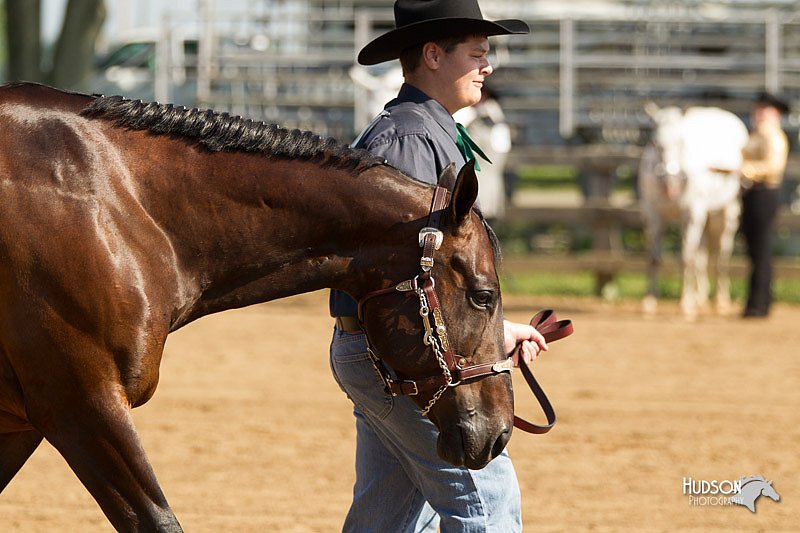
(467, 146)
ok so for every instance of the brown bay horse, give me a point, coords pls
(123, 221)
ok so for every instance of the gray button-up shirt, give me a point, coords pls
(415, 134)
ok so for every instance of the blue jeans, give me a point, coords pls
(401, 483)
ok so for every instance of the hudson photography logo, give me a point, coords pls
(744, 491)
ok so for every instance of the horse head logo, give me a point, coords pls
(751, 488)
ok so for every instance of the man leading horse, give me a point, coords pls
(442, 46)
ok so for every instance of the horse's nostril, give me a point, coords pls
(500, 443)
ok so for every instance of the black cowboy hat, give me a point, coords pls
(768, 99)
(420, 21)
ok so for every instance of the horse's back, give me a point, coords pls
(713, 138)
(37, 95)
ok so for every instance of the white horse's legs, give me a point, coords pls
(707, 238)
(728, 222)
(651, 201)
(693, 227)
(703, 285)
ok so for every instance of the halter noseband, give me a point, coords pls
(454, 368)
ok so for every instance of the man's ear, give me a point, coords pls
(464, 195)
(431, 55)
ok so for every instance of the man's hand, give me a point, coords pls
(522, 339)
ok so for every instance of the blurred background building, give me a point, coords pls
(579, 80)
(573, 91)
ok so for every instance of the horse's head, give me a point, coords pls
(668, 142)
(443, 354)
(769, 491)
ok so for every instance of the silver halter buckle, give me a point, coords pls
(503, 366)
(437, 234)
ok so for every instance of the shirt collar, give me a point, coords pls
(409, 93)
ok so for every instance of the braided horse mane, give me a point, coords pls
(217, 132)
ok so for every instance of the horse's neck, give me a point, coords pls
(752, 489)
(278, 228)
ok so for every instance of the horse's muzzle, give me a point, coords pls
(464, 446)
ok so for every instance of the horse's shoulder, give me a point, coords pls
(714, 126)
(710, 113)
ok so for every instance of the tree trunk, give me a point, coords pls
(23, 35)
(74, 54)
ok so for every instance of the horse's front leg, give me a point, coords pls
(15, 449)
(693, 225)
(702, 283)
(95, 434)
(81, 406)
(654, 231)
(724, 241)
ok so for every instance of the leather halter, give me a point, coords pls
(454, 367)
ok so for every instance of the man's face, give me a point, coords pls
(765, 113)
(464, 70)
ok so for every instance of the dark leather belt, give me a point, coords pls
(348, 324)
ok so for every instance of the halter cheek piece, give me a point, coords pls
(454, 368)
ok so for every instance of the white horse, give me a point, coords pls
(690, 174)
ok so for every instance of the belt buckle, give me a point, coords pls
(414, 383)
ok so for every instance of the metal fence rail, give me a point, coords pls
(573, 89)
(575, 79)
(607, 258)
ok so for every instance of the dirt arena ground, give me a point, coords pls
(642, 403)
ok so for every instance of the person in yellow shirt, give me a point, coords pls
(763, 165)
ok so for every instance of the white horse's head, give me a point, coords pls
(668, 141)
(769, 491)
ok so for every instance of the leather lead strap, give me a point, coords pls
(544, 402)
(552, 330)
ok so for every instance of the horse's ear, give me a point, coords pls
(447, 178)
(652, 109)
(464, 195)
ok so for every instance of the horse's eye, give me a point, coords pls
(482, 299)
